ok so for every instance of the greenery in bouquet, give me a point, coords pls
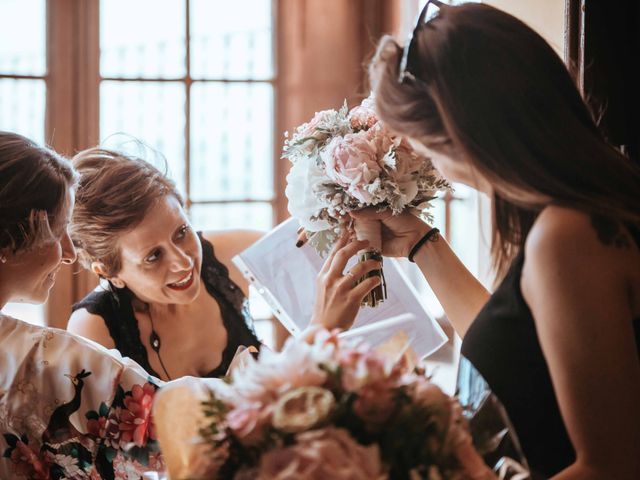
(330, 409)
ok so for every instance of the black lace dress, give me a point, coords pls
(115, 307)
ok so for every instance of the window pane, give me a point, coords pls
(152, 112)
(231, 141)
(22, 107)
(142, 38)
(22, 37)
(231, 39)
(253, 216)
(465, 231)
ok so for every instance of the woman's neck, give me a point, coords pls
(164, 310)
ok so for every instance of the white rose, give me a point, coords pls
(303, 181)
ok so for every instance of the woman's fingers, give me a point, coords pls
(340, 243)
(360, 269)
(342, 256)
(364, 287)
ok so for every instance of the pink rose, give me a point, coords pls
(352, 162)
(322, 454)
(362, 117)
(248, 422)
(381, 137)
(310, 129)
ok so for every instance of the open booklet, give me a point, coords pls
(285, 276)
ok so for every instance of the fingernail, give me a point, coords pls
(299, 230)
(299, 243)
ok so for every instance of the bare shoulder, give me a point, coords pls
(90, 326)
(570, 256)
(562, 234)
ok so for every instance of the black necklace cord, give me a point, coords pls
(156, 343)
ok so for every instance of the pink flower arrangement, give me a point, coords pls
(346, 160)
(330, 409)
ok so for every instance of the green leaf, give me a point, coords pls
(104, 409)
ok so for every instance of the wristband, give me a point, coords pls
(427, 236)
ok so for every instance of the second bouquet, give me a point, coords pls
(346, 160)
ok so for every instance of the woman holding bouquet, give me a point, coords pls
(173, 301)
(490, 103)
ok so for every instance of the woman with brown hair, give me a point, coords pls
(490, 103)
(58, 392)
(173, 301)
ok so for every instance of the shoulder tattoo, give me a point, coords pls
(610, 232)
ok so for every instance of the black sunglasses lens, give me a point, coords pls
(427, 13)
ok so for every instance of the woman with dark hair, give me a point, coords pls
(68, 407)
(491, 104)
(171, 299)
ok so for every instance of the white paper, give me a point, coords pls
(285, 276)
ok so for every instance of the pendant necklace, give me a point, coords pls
(154, 341)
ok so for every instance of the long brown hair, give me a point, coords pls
(34, 188)
(495, 90)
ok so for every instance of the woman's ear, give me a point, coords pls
(99, 269)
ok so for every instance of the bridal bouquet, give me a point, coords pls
(347, 160)
(320, 410)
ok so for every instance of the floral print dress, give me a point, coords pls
(71, 409)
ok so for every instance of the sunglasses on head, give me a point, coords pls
(426, 14)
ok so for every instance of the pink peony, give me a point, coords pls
(408, 162)
(297, 366)
(352, 162)
(136, 422)
(322, 454)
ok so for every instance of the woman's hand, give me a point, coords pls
(399, 233)
(338, 297)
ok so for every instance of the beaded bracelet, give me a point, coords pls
(427, 236)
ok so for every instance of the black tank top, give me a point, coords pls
(503, 345)
(115, 307)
